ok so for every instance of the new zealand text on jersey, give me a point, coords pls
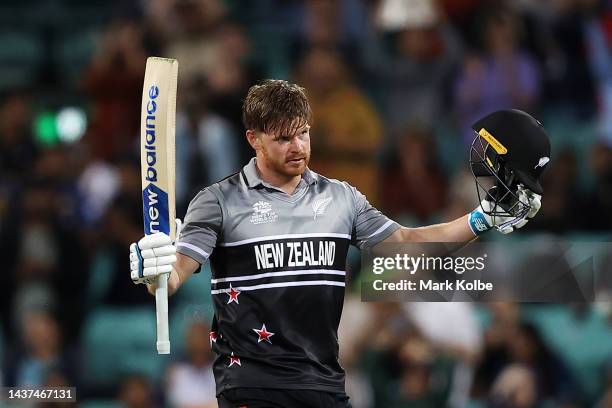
(306, 253)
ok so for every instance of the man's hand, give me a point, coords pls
(156, 255)
(480, 221)
(152, 256)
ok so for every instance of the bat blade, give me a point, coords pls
(157, 159)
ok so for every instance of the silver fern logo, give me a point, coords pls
(320, 205)
(542, 162)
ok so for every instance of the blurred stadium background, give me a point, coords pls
(394, 85)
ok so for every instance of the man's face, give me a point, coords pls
(286, 154)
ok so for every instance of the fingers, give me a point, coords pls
(507, 224)
(159, 261)
(153, 255)
(531, 199)
(521, 223)
(536, 204)
(153, 252)
(506, 227)
(156, 270)
(147, 273)
(156, 240)
(135, 263)
(512, 225)
(162, 251)
(155, 245)
(487, 205)
(135, 276)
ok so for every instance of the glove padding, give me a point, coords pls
(152, 256)
(480, 221)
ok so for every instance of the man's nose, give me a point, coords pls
(297, 145)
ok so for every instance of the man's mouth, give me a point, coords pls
(296, 160)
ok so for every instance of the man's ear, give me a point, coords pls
(253, 139)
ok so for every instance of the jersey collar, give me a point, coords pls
(253, 180)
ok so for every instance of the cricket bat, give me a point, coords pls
(157, 160)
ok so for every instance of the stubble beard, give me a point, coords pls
(282, 167)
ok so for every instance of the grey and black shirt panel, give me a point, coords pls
(203, 222)
(278, 265)
(201, 226)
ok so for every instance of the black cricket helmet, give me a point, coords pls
(509, 152)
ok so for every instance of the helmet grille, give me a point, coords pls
(496, 181)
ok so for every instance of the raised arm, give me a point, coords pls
(453, 231)
(511, 150)
(467, 228)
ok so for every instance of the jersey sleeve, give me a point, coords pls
(202, 226)
(370, 226)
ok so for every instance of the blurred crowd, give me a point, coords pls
(394, 86)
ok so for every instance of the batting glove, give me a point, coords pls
(480, 221)
(152, 256)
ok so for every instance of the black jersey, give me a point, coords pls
(278, 275)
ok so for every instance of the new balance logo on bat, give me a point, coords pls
(155, 209)
(153, 213)
(150, 146)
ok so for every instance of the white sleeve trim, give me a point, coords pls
(381, 229)
(193, 248)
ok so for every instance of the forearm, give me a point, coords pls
(174, 282)
(453, 231)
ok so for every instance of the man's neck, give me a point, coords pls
(285, 183)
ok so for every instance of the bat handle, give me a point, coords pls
(161, 308)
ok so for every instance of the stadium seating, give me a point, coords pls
(119, 341)
(72, 53)
(181, 316)
(47, 37)
(100, 277)
(21, 53)
(583, 340)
